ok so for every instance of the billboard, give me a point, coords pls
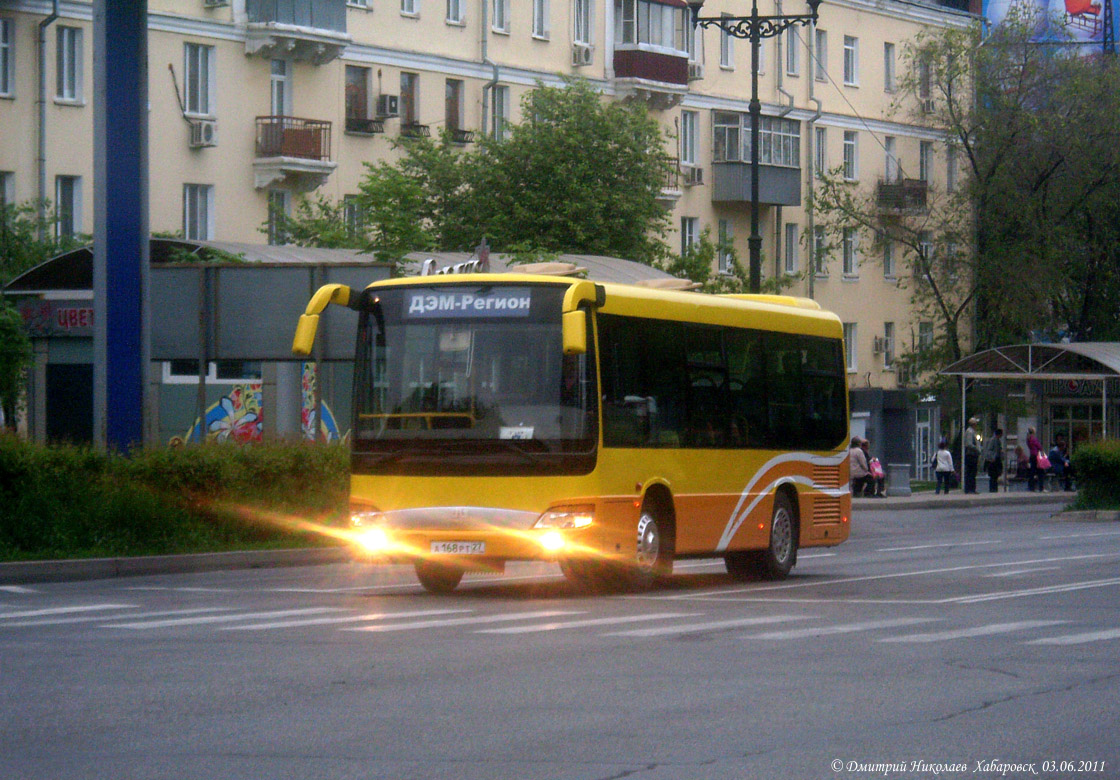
(1075, 21)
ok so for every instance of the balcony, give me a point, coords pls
(658, 77)
(292, 151)
(360, 125)
(778, 185)
(303, 30)
(461, 137)
(670, 191)
(902, 196)
(415, 130)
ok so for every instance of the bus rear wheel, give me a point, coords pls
(776, 561)
(438, 577)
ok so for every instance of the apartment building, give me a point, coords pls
(255, 103)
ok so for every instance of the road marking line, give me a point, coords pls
(94, 618)
(1023, 571)
(1077, 639)
(465, 621)
(220, 618)
(1066, 588)
(932, 546)
(343, 619)
(1081, 536)
(716, 624)
(26, 613)
(584, 623)
(17, 589)
(847, 628)
(964, 633)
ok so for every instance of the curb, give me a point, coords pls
(924, 501)
(107, 568)
(1090, 515)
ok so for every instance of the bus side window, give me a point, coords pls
(783, 375)
(641, 364)
(746, 384)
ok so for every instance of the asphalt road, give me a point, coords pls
(968, 641)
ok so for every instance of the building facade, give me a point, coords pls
(256, 103)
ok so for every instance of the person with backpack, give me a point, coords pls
(993, 459)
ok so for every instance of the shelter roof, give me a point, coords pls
(1084, 360)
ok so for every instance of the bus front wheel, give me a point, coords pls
(776, 561)
(653, 557)
(438, 577)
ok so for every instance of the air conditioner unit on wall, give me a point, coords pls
(693, 175)
(695, 71)
(581, 54)
(204, 132)
(879, 345)
(927, 106)
(215, 3)
(388, 105)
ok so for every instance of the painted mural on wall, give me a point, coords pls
(237, 417)
(1080, 21)
(328, 429)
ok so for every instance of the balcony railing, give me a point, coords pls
(364, 125)
(415, 130)
(462, 136)
(289, 136)
(902, 194)
(671, 178)
(314, 14)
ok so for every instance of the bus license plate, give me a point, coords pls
(459, 548)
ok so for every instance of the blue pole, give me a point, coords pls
(120, 276)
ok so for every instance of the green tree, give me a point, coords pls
(15, 356)
(20, 245)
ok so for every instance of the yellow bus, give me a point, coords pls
(611, 428)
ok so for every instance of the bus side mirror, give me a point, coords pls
(574, 324)
(305, 334)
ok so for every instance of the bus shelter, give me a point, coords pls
(1077, 385)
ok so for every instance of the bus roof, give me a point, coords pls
(765, 312)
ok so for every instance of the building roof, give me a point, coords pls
(1084, 360)
(73, 270)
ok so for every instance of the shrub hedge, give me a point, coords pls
(1097, 469)
(66, 502)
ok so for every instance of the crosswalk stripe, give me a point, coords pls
(191, 621)
(1078, 639)
(26, 613)
(465, 621)
(319, 621)
(711, 626)
(92, 618)
(583, 623)
(847, 628)
(1043, 591)
(963, 633)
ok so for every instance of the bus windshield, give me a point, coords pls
(470, 378)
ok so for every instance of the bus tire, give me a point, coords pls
(653, 557)
(438, 577)
(776, 561)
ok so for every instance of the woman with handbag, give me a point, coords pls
(1036, 471)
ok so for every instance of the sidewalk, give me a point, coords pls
(957, 498)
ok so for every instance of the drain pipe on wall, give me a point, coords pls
(488, 87)
(41, 207)
(812, 124)
(779, 69)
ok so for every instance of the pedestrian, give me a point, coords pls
(971, 454)
(1060, 462)
(943, 467)
(857, 467)
(993, 459)
(876, 476)
(1034, 474)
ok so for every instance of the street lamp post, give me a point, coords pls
(753, 28)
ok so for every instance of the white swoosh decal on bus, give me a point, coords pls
(740, 514)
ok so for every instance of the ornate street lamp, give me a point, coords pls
(754, 28)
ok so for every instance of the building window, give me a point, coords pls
(281, 88)
(925, 255)
(951, 169)
(890, 147)
(69, 64)
(690, 122)
(352, 216)
(851, 61)
(227, 372)
(198, 74)
(820, 141)
(581, 21)
(278, 202)
(888, 258)
(851, 252)
(453, 104)
(888, 344)
(925, 160)
(850, 346)
(410, 98)
(793, 52)
(689, 233)
(791, 247)
(651, 23)
(925, 337)
(820, 55)
(7, 59)
(851, 155)
(7, 188)
(410, 7)
(726, 47)
(726, 242)
(925, 84)
(198, 211)
(890, 82)
(540, 19)
(779, 139)
(820, 251)
(454, 11)
(499, 18)
(67, 206)
(357, 95)
(500, 112)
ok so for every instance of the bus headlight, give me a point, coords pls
(568, 517)
(373, 540)
(553, 541)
